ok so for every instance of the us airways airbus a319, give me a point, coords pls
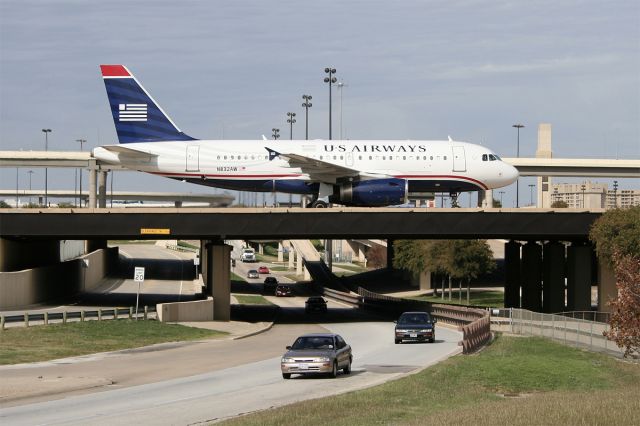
(347, 172)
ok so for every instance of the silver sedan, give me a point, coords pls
(317, 353)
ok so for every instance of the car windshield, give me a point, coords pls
(313, 342)
(414, 319)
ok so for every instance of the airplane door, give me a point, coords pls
(459, 160)
(193, 158)
(349, 159)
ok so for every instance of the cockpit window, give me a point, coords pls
(497, 157)
(491, 157)
(485, 157)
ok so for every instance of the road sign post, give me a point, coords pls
(138, 276)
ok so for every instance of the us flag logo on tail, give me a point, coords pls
(132, 112)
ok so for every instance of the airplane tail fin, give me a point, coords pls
(137, 116)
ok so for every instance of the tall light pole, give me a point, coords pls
(531, 193)
(291, 120)
(518, 126)
(615, 194)
(501, 194)
(30, 173)
(46, 177)
(331, 79)
(276, 133)
(583, 187)
(341, 86)
(17, 188)
(306, 105)
(82, 141)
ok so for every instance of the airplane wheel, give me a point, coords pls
(319, 205)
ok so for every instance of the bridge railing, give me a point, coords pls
(62, 317)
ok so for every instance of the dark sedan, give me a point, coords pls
(415, 327)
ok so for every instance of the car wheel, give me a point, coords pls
(347, 369)
(286, 375)
(398, 341)
(432, 340)
(334, 370)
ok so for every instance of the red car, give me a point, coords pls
(263, 270)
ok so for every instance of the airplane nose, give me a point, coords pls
(511, 173)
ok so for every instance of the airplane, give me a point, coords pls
(363, 173)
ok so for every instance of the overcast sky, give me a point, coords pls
(412, 70)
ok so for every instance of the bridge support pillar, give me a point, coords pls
(280, 252)
(218, 278)
(579, 277)
(485, 199)
(553, 287)
(102, 189)
(93, 187)
(298, 263)
(390, 253)
(532, 276)
(292, 257)
(512, 275)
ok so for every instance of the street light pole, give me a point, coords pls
(46, 177)
(583, 187)
(306, 106)
(291, 120)
(615, 194)
(331, 79)
(501, 194)
(518, 126)
(276, 133)
(82, 141)
(341, 86)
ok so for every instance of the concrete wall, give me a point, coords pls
(198, 310)
(30, 286)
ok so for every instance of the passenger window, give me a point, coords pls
(321, 157)
(404, 157)
(445, 157)
(225, 157)
(218, 157)
(431, 158)
(359, 157)
(341, 157)
(252, 157)
(370, 157)
(232, 157)
(384, 157)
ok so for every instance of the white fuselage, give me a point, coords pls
(439, 166)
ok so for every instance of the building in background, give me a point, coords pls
(593, 195)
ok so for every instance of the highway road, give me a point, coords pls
(214, 380)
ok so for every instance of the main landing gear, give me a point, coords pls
(454, 199)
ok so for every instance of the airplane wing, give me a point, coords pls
(131, 152)
(319, 170)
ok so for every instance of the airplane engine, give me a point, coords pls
(371, 193)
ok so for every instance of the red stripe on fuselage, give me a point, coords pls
(114, 71)
(199, 175)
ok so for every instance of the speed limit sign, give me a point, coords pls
(138, 274)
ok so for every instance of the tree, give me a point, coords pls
(410, 255)
(496, 203)
(625, 314)
(376, 256)
(4, 205)
(559, 204)
(470, 259)
(617, 231)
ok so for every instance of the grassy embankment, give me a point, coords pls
(41, 343)
(249, 299)
(514, 381)
(477, 298)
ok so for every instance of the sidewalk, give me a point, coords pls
(236, 329)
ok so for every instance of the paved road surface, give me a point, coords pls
(215, 380)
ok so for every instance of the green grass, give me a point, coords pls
(478, 298)
(278, 268)
(251, 299)
(545, 383)
(40, 343)
(236, 277)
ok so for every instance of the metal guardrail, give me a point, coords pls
(63, 317)
(566, 327)
(175, 247)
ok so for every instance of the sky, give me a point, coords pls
(411, 69)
